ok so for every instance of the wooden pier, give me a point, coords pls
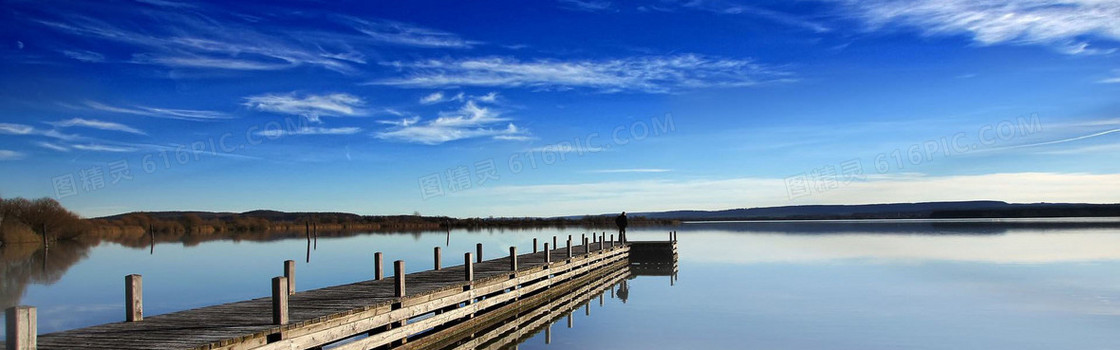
(406, 310)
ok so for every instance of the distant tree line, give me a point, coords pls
(31, 221)
(34, 221)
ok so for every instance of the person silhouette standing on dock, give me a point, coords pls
(621, 222)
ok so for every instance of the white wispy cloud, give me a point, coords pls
(21, 129)
(656, 74)
(726, 7)
(435, 97)
(84, 55)
(310, 106)
(586, 5)
(401, 122)
(167, 113)
(469, 121)
(97, 124)
(1114, 79)
(94, 147)
(52, 146)
(11, 155)
(400, 33)
(205, 38)
(16, 129)
(1066, 25)
(310, 130)
(635, 170)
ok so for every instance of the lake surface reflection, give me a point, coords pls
(1012, 284)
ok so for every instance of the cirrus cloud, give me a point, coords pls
(651, 74)
(1066, 25)
(310, 106)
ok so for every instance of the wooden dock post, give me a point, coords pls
(585, 250)
(569, 247)
(547, 254)
(548, 334)
(290, 274)
(612, 240)
(468, 265)
(437, 258)
(534, 245)
(378, 266)
(133, 298)
(21, 328)
(513, 258)
(554, 244)
(398, 282)
(279, 300)
(478, 253)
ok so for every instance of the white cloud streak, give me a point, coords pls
(309, 106)
(166, 113)
(310, 130)
(84, 56)
(97, 124)
(11, 155)
(93, 147)
(654, 74)
(586, 5)
(435, 97)
(52, 146)
(470, 121)
(1066, 25)
(399, 33)
(21, 129)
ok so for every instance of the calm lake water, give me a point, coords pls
(1011, 284)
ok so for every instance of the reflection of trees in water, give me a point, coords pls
(24, 264)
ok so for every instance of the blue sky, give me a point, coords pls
(513, 108)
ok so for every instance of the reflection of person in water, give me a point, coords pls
(623, 291)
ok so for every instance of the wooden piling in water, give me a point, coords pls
(513, 258)
(569, 247)
(547, 254)
(378, 266)
(398, 281)
(279, 300)
(534, 245)
(478, 252)
(134, 298)
(21, 328)
(554, 244)
(290, 274)
(436, 263)
(612, 240)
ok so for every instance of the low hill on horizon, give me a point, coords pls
(921, 210)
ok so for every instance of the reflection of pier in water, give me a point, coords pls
(506, 326)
